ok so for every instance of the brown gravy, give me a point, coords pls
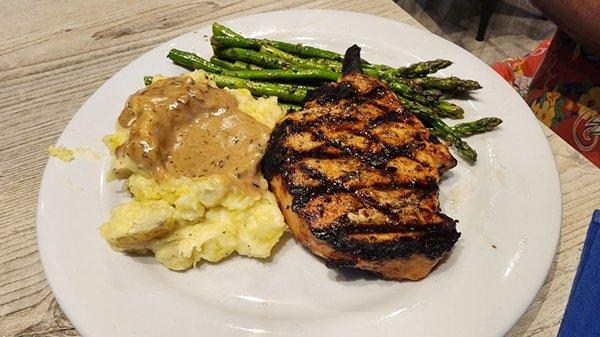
(182, 128)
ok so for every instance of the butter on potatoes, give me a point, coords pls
(185, 218)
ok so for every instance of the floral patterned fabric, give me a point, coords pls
(560, 81)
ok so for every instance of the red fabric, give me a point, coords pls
(561, 83)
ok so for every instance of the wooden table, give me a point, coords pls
(55, 54)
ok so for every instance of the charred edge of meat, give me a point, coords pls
(274, 157)
(340, 263)
(432, 243)
(349, 265)
(351, 62)
(331, 93)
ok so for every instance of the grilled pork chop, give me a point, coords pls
(356, 178)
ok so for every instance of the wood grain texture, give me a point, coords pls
(55, 54)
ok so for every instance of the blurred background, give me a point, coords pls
(515, 27)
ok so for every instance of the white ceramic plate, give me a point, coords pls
(508, 204)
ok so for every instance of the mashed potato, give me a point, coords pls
(61, 153)
(185, 220)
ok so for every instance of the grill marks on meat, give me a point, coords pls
(357, 178)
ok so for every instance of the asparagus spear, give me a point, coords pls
(228, 38)
(409, 92)
(440, 128)
(325, 62)
(416, 107)
(330, 60)
(438, 94)
(254, 57)
(237, 65)
(305, 51)
(221, 30)
(398, 87)
(452, 84)
(447, 109)
(443, 130)
(192, 61)
(297, 49)
(312, 70)
(227, 41)
(333, 74)
(284, 74)
(297, 61)
(225, 64)
(421, 69)
(371, 70)
(248, 66)
(331, 64)
(286, 92)
(479, 126)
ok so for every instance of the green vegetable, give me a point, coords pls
(254, 57)
(451, 84)
(237, 65)
(443, 130)
(220, 30)
(421, 69)
(248, 66)
(284, 74)
(440, 128)
(479, 126)
(225, 64)
(285, 92)
(447, 109)
(296, 49)
(297, 61)
(224, 41)
(192, 61)
(412, 93)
